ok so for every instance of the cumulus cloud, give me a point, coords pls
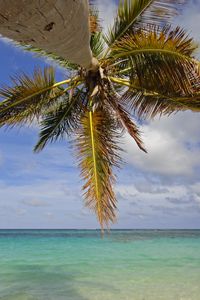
(143, 186)
(172, 144)
(126, 190)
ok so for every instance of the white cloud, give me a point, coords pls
(172, 145)
(196, 188)
(31, 201)
(45, 190)
(126, 190)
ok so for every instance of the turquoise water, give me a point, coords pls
(79, 265)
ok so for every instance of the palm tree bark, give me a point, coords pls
(57, 26)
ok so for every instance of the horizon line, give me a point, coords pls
(99, 229)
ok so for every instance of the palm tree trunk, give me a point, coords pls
(57, 26)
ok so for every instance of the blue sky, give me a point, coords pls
(158, 190)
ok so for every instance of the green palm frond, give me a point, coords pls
(27, 97)
(134, 14)
(128, 12)
(159, 59)
(62, 119)
(48, 55)
(97, 153)
(97, 44)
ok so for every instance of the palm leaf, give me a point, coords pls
(61, 119)
(28, 96)
(159, 59)
(94, 20)
(158, 12)
(52, 57)
(147, 103)
(97, 44)
(134, 14)
(97, 153)
(126, 121)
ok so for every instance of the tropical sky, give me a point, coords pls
(160, 189)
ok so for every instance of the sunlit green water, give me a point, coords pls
(79, 265)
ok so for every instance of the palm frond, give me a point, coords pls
(62, 119)
(159, 13)
(155, 38)
(159, 59)
(97, 44)
(97, 153)
(95, 22)
(27, 97)
(134, 14)
(52, 57)
(147, 103)
(125, 119)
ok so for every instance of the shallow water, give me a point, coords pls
(79, 265)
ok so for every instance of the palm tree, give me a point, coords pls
(142, 67)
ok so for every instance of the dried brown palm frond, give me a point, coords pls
(94, 20)
(125, 119)
(97, 152)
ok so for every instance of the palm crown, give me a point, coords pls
(143, 68)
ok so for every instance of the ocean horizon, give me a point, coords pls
(77, 264)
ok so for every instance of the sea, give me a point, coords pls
(81, 265)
